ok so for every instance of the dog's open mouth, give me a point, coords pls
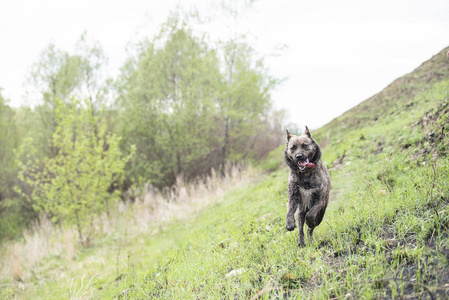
(303, 165)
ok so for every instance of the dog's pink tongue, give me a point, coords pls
(310, 165)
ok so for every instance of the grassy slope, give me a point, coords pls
(384, 234)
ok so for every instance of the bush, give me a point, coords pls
(75, 186)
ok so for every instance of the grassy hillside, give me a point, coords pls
(399, 95)
(385, 232)
(384, 235)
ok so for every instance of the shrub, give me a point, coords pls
(77, 184)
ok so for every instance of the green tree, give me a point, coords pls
(168, 99)
(8, 142)
(189, 107)
(14, 212)
(59, 76)
(245, 100)
(74, 186)
(95, 82)
(55, 75)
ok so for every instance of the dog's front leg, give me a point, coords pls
(292, 206)
(301, 218)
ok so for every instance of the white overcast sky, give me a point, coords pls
(339, 52)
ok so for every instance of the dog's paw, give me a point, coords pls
(301, 244)
(290, 226)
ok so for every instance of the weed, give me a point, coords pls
(81, 290)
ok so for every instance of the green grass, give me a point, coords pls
(110, 263)
(384, 235)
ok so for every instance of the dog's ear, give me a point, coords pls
(317, 155)
(288, 135)
(307, 132)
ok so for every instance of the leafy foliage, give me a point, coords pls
(167, 101)
(74, 186)
(186, 111)
(8, 141)
(59, 76)
(12, 207)
(244, 100)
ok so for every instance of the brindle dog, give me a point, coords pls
(309, 183)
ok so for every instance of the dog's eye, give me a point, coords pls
(293, 148)
(304, 146)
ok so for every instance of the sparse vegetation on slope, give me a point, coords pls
(399, 95)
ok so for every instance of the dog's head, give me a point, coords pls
(302, 152)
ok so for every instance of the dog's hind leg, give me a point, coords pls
(316, 213)
(314, 218)
(310, 233)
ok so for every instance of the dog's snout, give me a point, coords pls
(299, 156)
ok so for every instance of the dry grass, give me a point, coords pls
(79, 289)
(183, 199)
(23, 261)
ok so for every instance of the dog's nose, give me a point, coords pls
(299, 156)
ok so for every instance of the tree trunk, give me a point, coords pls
(224, 146)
